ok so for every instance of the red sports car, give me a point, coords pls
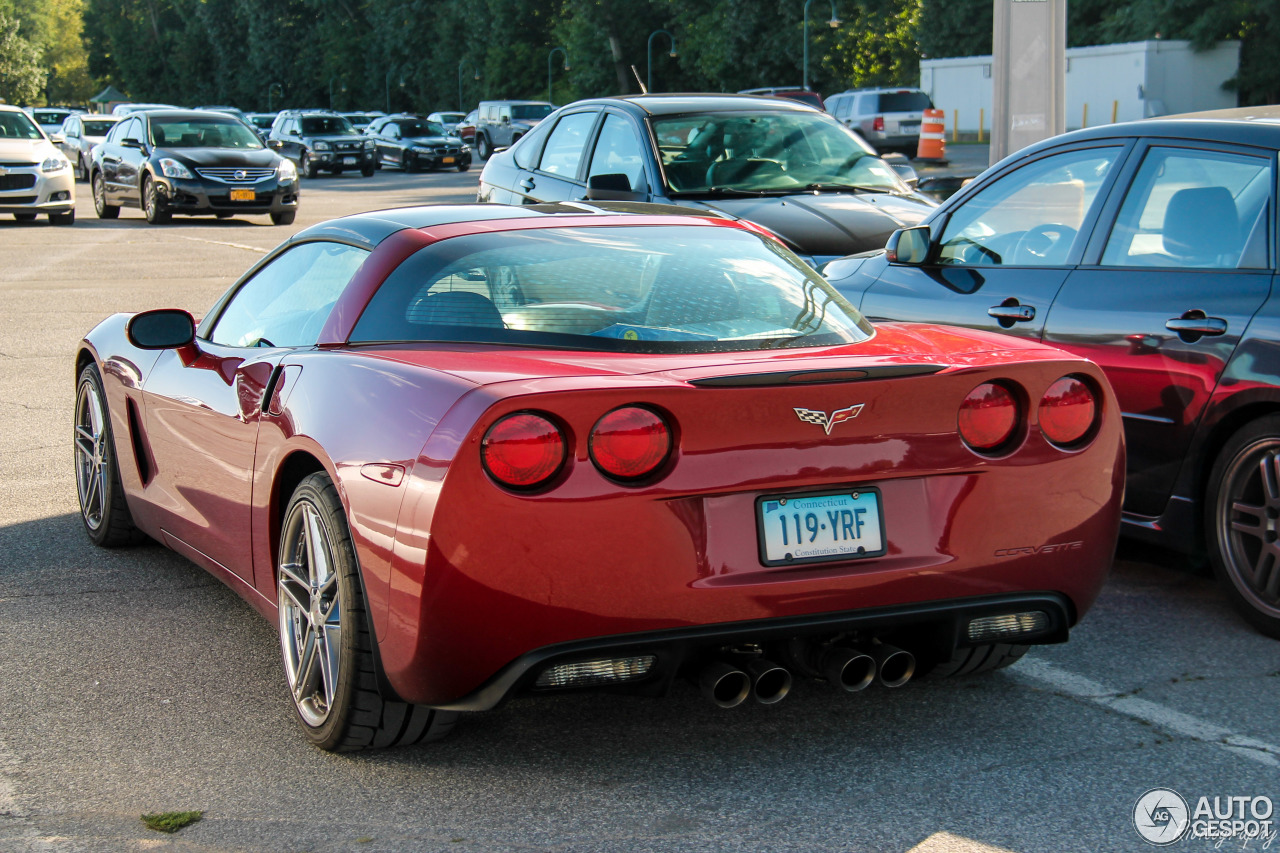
(462, 453)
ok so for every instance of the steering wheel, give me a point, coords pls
(968, 251)
(1044, 244)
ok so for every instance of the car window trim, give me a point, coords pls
(1089, 225)
(643, 135)
(1110, 211)
(583, 161)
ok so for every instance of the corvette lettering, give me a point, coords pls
(1032, 550)
(826, 421)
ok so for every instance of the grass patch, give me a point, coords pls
(170, 821)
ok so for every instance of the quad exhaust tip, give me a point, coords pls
(770, 683)
(894, 667)
(725, 685)
(849, 669)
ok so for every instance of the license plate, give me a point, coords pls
(348, 161)
(446, 159)
(812, 528)
(909, 127)
(243, 195)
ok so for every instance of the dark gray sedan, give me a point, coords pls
(781, 164)
(414, 144)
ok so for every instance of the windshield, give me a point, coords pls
(450, 118)
(628, 289)
(767, 152)
(327, 126)
(18, 126)
(202, 133)
(527, 112)
(263, 121)
(54, 117)
(412, 129)
(97, 127)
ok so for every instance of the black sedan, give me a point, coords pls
(781, 164)
(414, 144)
(190, 162)
(1150, 248)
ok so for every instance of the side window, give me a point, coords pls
(1203, 209)
(529, 146)
(132, 130)
(618, 152)
(563, 151)
(287, 302)
(1030, 217)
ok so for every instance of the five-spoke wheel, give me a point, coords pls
(102, 503)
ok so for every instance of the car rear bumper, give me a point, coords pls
(937, 629)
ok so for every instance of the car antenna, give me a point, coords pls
(643, 90)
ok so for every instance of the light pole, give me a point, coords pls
(833, 23)
(331, 76)
(550, 55)
(461, 108)
(274, 87)
(387, 86)
(672, 54)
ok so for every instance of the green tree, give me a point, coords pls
(21, 77)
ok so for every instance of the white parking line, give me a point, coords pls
(1176, 722)
(222, 243)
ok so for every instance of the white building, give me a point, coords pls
(1105, 83)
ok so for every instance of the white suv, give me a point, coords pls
(888, 119)
(35, 177)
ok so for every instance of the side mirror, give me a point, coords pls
(275, 144)
(131, 143)
(909, 246)
(293, 132)
(506, 119)
(58, 138)
(612, 187)
(163, 328)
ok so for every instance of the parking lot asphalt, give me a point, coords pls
(132, 682)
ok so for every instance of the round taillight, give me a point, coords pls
(523, 450)
(988, 416)
(1068, 410)
(630, 443)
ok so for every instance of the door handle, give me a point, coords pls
(1014, 313)
(526, 183)
(1195, 323)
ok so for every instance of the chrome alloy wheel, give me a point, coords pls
(91, 455)
(311, 610)
(1248, 520)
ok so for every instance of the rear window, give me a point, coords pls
(97, 127)
(628, 289)
(526, 112)
(904, 102)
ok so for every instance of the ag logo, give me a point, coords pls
(826, 421)
(1161, 816)
(241, 174)
(631, 335)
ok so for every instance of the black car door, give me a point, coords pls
(1000, 256)
(1174, 274)
(133, 154)
(110, 159)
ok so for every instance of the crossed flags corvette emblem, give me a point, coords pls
(826, 421)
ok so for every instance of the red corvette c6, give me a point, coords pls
(462, 453)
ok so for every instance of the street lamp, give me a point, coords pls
(331, 77)
(274, 87)
(833, 23)
(553, 52)
(672, 54)
(461, 108)
(387, 83)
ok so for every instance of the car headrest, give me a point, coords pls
(455, 308)
(1201, 223)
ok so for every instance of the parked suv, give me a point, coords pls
(319, 139)
(501, 123)
(889, 119)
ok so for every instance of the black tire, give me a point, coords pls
(67, 218)
(368, 170)
(25, 217)
(483, 148)
(462, 167)
(284, 218)
(1242, 522)
(307, 168)
(223, 214)
(977, 660)
(100, 206)
(343, 710)
(152, 205)
(82, 171)
(103, 509)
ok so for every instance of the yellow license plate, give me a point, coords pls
(446, 159)
(243, 195)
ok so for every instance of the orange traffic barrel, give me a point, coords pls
(933, 137)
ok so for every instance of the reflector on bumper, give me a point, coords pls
(590, 672)
(1007, 626)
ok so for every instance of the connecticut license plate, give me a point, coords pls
(348, 161)
(812, 528)
(446, 160)
(243, 195)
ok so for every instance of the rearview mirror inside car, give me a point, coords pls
(909, 246)
(163, 328)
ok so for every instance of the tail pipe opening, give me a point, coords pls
(894, 667)
(770, 682)
(849, 669)
(725, 685)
